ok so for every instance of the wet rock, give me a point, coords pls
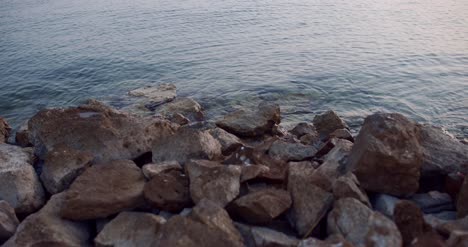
(361, 226)
(265, 237)
(385, 204)
(179, 119)
(335, 163)
(156, 95)
(62, 166)
(462, 202)
(386, 156)
(250, 172)
(327, 122)
(96, 128)
(348, 186)
(433, 202)
(252, 123)
(103, 190)
(302, 129)
(213, 181)
(229, 142)
(168, 191)
(187, 107)
(262, 206)
(19, 183)
(187, 143)
(22, 136)
(47, 228)
(291, 151)
(130, 229)
(332, 241)
(410, 221)
(8, 221)
(342, 134)
(5, 130)
(150, 170)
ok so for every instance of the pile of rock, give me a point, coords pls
(98, 176)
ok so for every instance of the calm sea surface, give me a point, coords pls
(357, 57)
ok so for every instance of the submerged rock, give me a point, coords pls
(8, 221)
(5, 130)
(156, 95)
(327, 122)
(186, 107)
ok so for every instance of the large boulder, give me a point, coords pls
(96, 128)
(19, 183)
(5, 130)
(8, 221)
(130, 229)
(47, 228)
(361, 226)
(327, 122)
(186, 143)
(211, 180)
(252, 123)
(462, 202)
(103, 190)
(255, 236)
(387, 156)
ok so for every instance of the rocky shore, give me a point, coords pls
(92, 175)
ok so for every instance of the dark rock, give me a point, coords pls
(187, 107)
(302, 129)
(446, 227)
(462, 201)
(291, 151)
(103, 190)
(22, 137)
(152, 169)
(327, 122)
(453, 183)
(433, 202)
(265, 237)
(342, 134)
(8, 221)
(229, 142)
(348, 186)
(5, 130)
(410, 221)
(386, 156)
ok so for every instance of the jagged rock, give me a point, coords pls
(335, 163)
(265, 237)
(311, 139)
(47, 228)
(252, 123)
(5, 130)
(410, 221)
(342, 134)
(291, 151)
(250, 172)
(150, 170)
(62, 166)
(332, 241)
(433, 202)
(213, 181)
(262, 206)
(130, 229)
(22, 136)
(186, 143)
(168, 191)
(327, 122)
(462, 202)
(385, 204)
(96, 128)
(156, 95)
(348, 186)
(229, 142)
(361, 226)
(19, 184)
(103, 190)
(179, 119)
(187, 107)
(386, 156)
(8, 221)
(302, 129)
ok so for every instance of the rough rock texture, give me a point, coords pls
(291, 151)
(8, 221)
(361, 226)
(265, 237)
(103, 190)
(106, 133)
(433, 202)
(332, 241)
(47, 228)
(387, 156)
(62, 166)
(22, 137)
(229, 142)
(168, 191)
(462, 202)
(156, 95)
(342, 134)
(302, 129)
(179, 119)
(253, 171)
(335, 163)
(410, 221)
(150, 170)
(327, 122)
(19, 184)
(252, 123)
(5, 130)
(187, 143)
(187, 107)
(213, 181)
(261, 206)
(348, 186)
(130, 229)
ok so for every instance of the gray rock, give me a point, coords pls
(156, 95)
(153, 169)
(265, 237)
(327, 122)
(5, 130)
(291, 151)
(229, 142)
(348, 186)
(187, 107)
(342, 134)
(462, 202)
(8, 221)
(302, 129)
(385, 204)
(335, 163)
(433, 202)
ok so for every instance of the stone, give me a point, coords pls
(385, 204)
(410, 221)
(311, 139)
(335, 163)
(332, 241)
(152, 169)
(187, 107)
(130, 229)
(462, 201)
(96, 128)
(290, 151)
(348, 186)
(446, 227)
(261, 206)
(19, 183)
(186, 143)
(252, 123)
(250, 172)
(103, 190)
(228, 141)
(386, 156)
(255, 236)
(433, 202)
(302, 129)
(47, 228)
(5, 130)
(327, 122)
(342, 134)
(62, 166)
(179, 119)
(429, 239)
(156, 95)
(22, 137)
(168, 191)
(211, 180)
(8, 221)
(458, 239)
(361, 226)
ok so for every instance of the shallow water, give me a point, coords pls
(357, 57)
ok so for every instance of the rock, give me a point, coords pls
(312, 139)
(187, 143)
(229, 142)
(8, 221)
(335, 163)
(47, 228)
(462, 202)
(213, 181)
(96, 128)
(312, 164)
(446, 227)
(265, 237)
(187, 107)
(179, 119)
(332, 241)
(429, 239)
(410, 221)
(103, 190)
(252, 123)
(150, 170)
(19, 184)
(361, 226)
(342, 134)
(458, 239)
(168, 191)
(156, 95)
(433, 202)
(250, 172)
(348, 186)
(288, 151)
(5, 130)
(302, 129)
(262, 206)
(130, 229)
(453, 183)
(386, 156)
(385, 204)
(327, 122)
(62, 166)
(22, 136)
